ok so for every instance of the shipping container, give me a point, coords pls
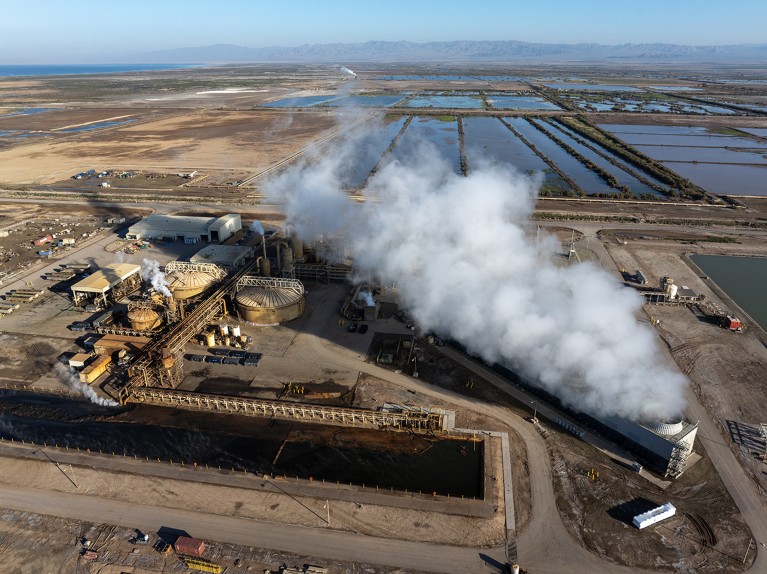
(95, 369)
(214, 359)
(231, 360)
(189, 546)
(43, 240)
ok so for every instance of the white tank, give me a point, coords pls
(235, 331)
(515, 568)
(672, 290)
(224, 330)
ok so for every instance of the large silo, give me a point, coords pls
(186, 280)
(268, 301)
(144, 318)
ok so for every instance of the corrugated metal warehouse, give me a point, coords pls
(186, 228)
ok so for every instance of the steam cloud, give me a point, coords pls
(69, 377)
(151, 272)
(367, 298)
(257, 227)
(346, 70)
(468, 266)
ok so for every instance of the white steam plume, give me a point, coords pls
(346, 70)
(257, 227)
(70, 378)
(367, 298)
(151, 272)
(467, 267)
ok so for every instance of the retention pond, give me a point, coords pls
(744, 279)
(388, 460)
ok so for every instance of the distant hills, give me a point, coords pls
(459, 51)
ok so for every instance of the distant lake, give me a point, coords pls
(70, 69)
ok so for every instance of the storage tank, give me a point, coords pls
(188, 283)
(224, 329)
(266, 267)
(287, 257)
(271, 301)
(210, 339)
(671, 290)
(235, 331)
(298, 247)
(143, 318)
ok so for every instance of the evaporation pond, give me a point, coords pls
(592, 87)
(520, 103)
(366, 101)
(489, 140)
(302, 102)
(744, 279)
(724, 179)
(447, 102)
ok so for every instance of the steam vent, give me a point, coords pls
(267, 301)
(186, 280)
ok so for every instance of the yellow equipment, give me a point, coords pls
(202, 565)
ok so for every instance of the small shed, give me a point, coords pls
(189, 546)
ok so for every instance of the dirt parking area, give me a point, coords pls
(707, 533)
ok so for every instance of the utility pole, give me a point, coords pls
(750, 542)
(327, 505)
(535, 411)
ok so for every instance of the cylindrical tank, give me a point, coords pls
(235, 330)
(268, 305)
(243, 340)
(185, 284)
(515, 569)
(224, 329)
(672, 290)
(298, 247)
(266, 268)
(287, 257)
(226, 341)
(210, 339)
(143, 318)
(168, 361)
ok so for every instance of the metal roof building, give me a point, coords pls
(189, 229)
(118, 277)
(231, 256)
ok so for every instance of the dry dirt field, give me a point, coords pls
(249, 141)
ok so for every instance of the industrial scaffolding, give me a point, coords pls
(404, 419)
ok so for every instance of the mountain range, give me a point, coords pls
(459, 51)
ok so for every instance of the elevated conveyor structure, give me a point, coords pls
(160, 364)
(435, 420)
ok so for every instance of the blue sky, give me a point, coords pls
(58, 31)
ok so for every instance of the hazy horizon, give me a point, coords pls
(51, 32)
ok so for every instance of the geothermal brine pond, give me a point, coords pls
(372, 458)
(744, 279)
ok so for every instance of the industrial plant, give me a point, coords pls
(144, 328)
